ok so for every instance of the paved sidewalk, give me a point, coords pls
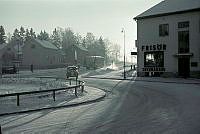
(90, 95)
(169, 80)
(164, 80)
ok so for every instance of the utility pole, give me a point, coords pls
(123, 31)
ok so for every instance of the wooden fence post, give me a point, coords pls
(17, 99)
(54, 95)
(75, 91)
(0, 130)
(79, 82)
(70, 82)
(82, 89)
(82, 86)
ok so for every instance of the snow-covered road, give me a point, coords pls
(135, 107)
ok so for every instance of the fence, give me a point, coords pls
(79, 84)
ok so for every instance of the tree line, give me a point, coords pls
(63, 38)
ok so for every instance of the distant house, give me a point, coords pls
(42, 54)
(94, 62)
(7, 55)
(76, 55)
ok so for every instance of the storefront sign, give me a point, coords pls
(153, 69)
(158, 47)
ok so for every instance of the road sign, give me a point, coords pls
(133, 53)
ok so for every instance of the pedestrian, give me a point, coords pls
(32, 68)
(14, 69)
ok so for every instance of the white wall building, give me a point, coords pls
(168, 39)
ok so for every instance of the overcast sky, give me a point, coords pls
(101, 17)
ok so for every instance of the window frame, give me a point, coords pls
(163, 30)
(183, 24)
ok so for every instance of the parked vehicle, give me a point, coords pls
(9, 70)
(72, 71)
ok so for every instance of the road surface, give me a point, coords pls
(134, 107)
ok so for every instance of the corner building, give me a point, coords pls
(168, 39)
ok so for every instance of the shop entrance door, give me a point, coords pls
(184, 67)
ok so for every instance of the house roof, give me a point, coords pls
(46, 44)
(81, 47)
(168, 7)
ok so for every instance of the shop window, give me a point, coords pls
(163, 29)
(154, 59)
(184, 24)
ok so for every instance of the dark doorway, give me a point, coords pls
(184, 67)
(183, 42)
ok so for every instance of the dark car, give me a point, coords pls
(72, 71)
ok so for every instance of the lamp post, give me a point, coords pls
(123, 31)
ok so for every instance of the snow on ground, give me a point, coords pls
(35, 101)
(13, 85)
(112, 67)
(103, 70)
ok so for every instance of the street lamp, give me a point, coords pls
(123, 31)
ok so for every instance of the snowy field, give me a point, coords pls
(33, 101)
(28, 81)
(14, 85)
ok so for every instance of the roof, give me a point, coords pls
(168, 7)
(81, 47)
(46, 44)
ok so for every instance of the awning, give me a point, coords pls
(184, 54)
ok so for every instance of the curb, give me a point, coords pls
(105, 78)
(57, 107)
(170, 82)
(131, 79)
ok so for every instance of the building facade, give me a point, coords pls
(7, 55)
(42, 54)
(76, 55)
(168, 39)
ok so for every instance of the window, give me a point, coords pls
(184, 24)
(164, 30)
(154, 59)
(183, 42)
